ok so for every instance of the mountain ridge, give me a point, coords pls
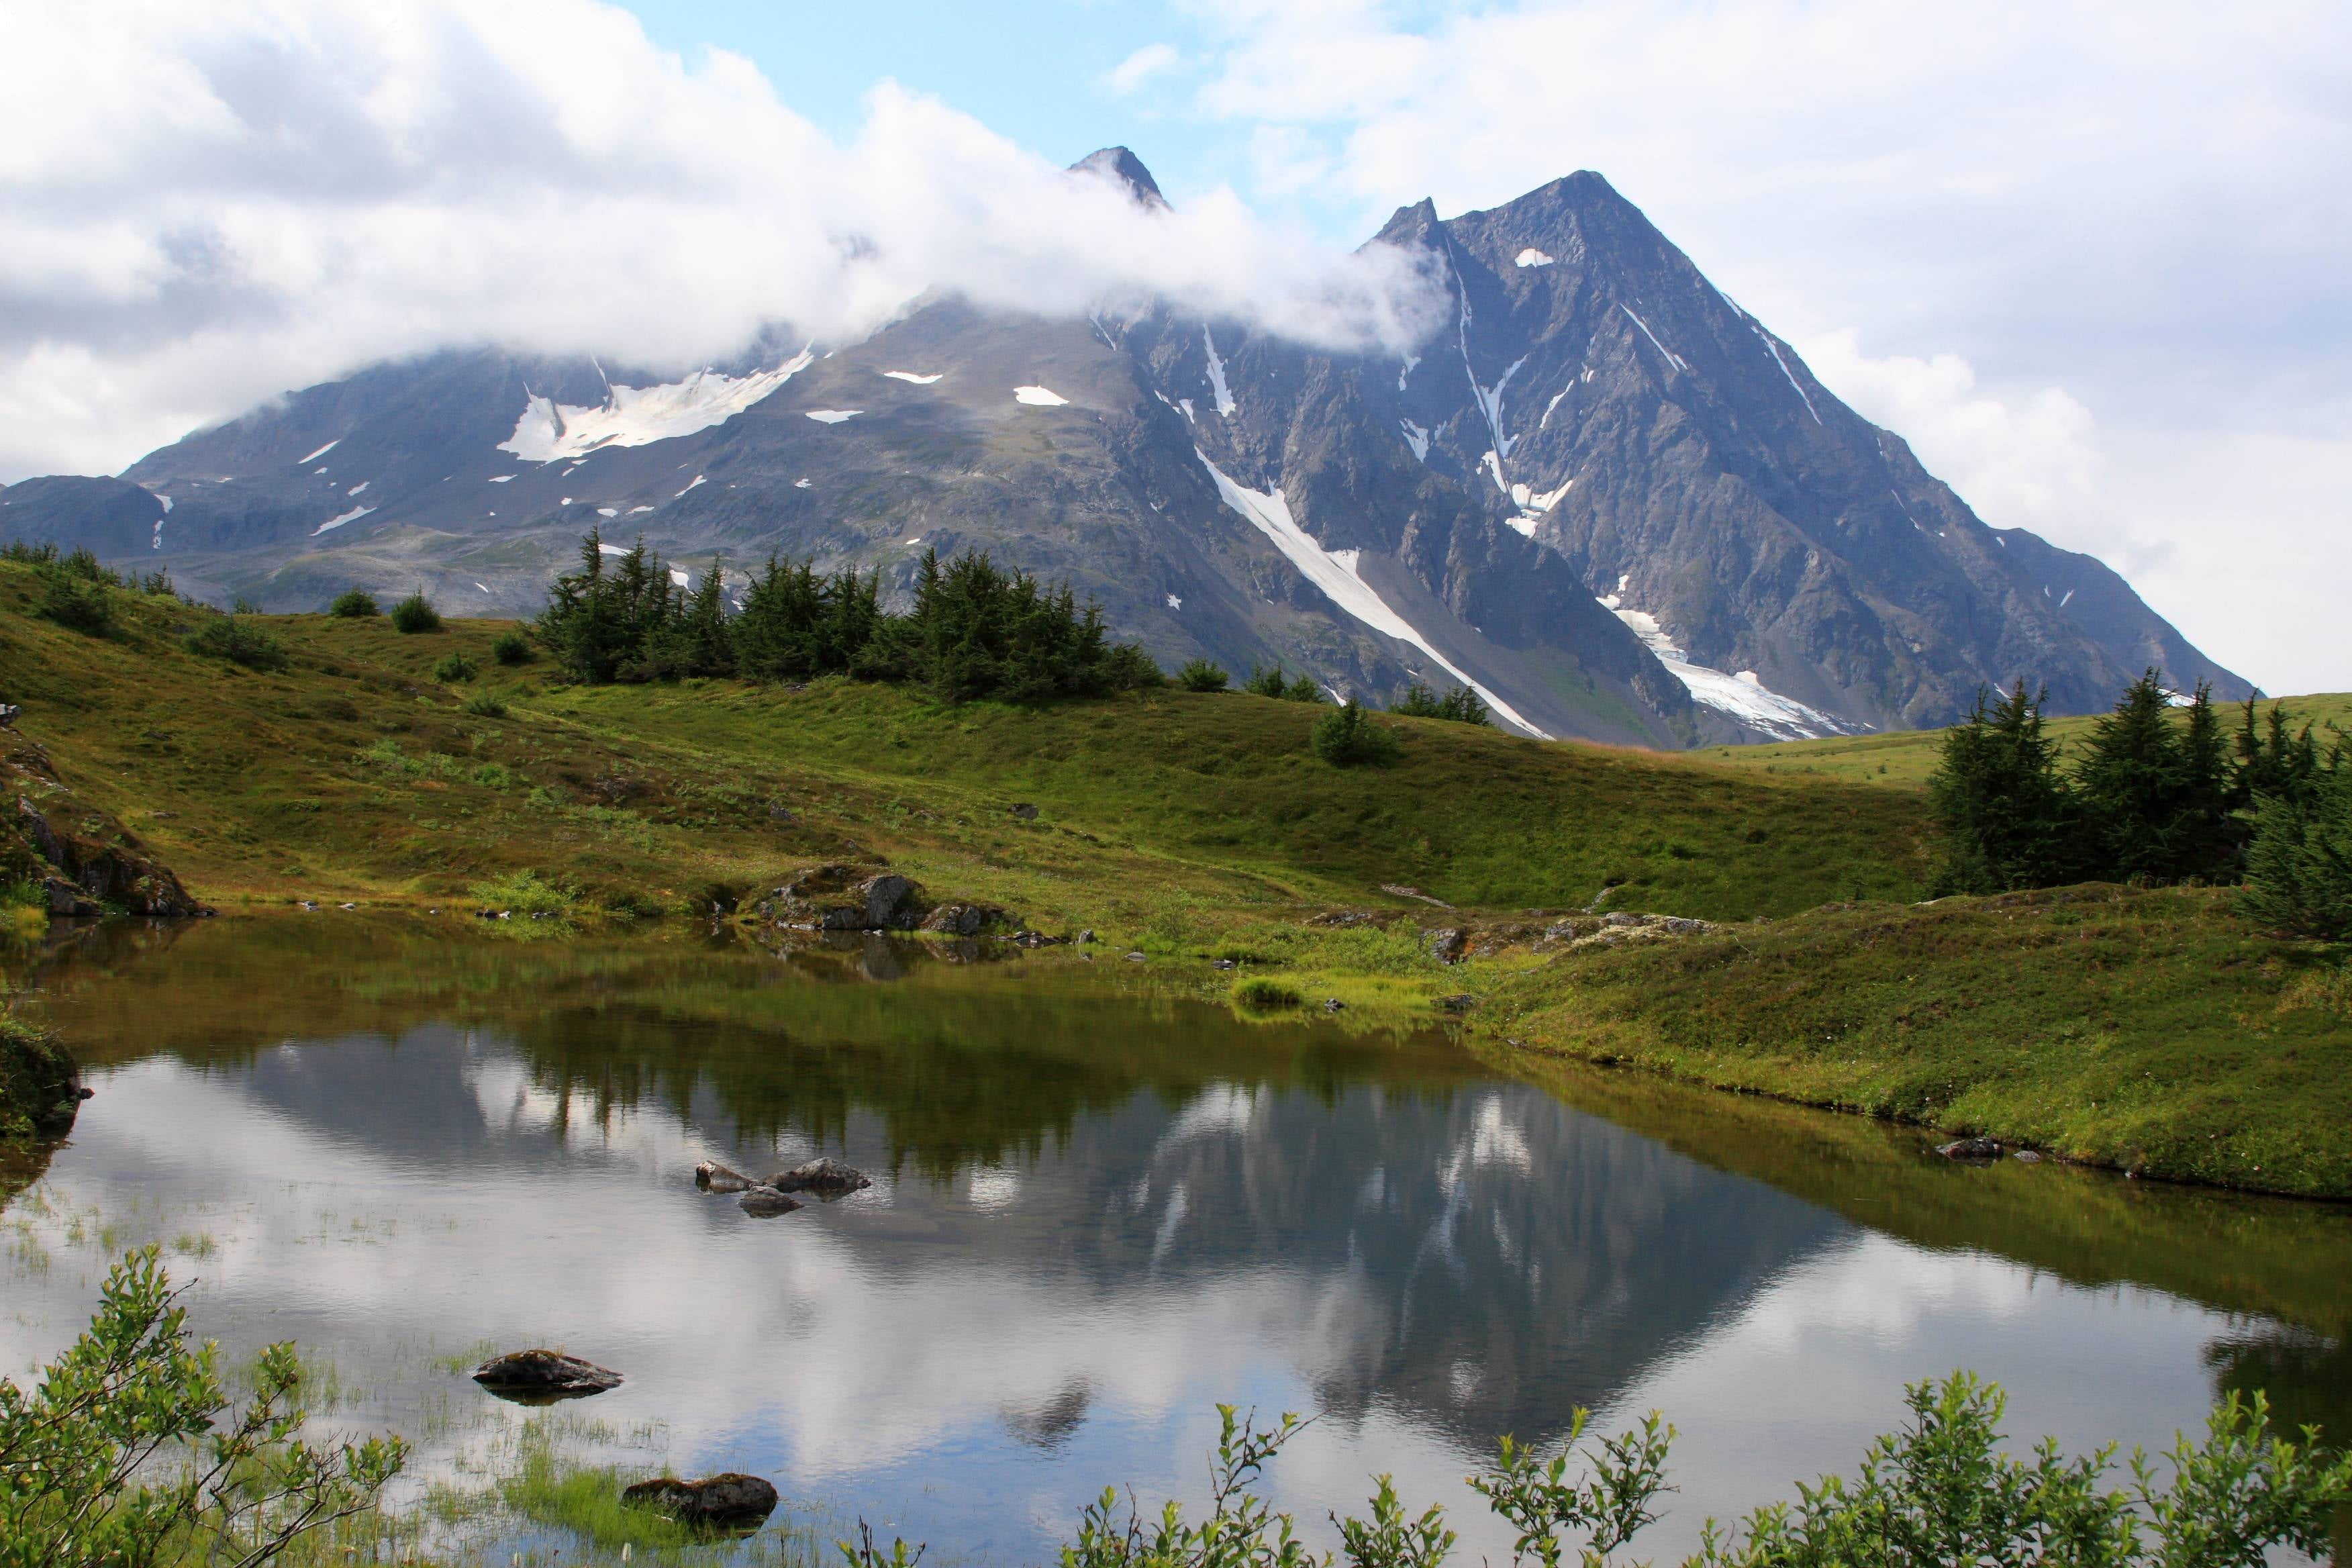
(1603, 493)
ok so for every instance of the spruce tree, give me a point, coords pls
(2299, 866)
(2155, 792)
(2007, 814)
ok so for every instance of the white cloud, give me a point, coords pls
(1150, 61)
(2142, 222)
(201, 206)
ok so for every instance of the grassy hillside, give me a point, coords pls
(354, 772)
(1907, 757)
(2154, 1031)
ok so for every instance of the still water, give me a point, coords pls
(1101, 1204)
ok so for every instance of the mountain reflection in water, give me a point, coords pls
(1100, 1205)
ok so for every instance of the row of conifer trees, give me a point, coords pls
(2157, 794)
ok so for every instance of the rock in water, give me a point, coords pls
(729, 1501)
(713, 1177)
(1971, 1148)
(825, 1178)
(542, 1376)
(766, 1202)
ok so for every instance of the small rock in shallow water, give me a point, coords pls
(1333, 1004)
(823, 1177)
(1225, 963)
(1135, 958)
(1462, 1004)
(764, 1203)
(728, 1500)
(2028, 1155)
(1971, 1148)
(713, 1177)
(539, 1376)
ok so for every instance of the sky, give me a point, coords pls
(2090, 261)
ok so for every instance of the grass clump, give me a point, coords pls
(415, 614)
(353, 604)
(526, 892)
(236, 639)
(453, 667)
(483, 705)
(1260, 994)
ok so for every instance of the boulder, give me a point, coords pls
(1025, 812)
(540, 1376)
(1971, 1148)
(845, 898)
(2027, 1155)
(726, 1501)
(83, 859)
(765, 1203)
(964, 919)
(825, 1178)
(1459, 1004)
(1447, 943)
(713, 1177)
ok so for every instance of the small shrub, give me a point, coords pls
(1259, 994)
(239, 641)
(513, 648)
(353, 604)
(553, 797)
(456, 667)
(157, 585)
(1265, 682)
(1201, 675)
(77, 603)
(415, 614)
(241, 606)
(482, 705)
(1347, 737)
(495, 776)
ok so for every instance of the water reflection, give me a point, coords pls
(1100, 1205)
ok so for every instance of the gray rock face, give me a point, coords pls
(539, 1376)
(846, 899)
(730, 1501)
(1601, 490)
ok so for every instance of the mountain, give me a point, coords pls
(1603, 493)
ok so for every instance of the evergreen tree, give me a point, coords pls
(1303, 688)
(1265, 682)
(2007, 814)
(2272, 762)
(2299, 866)
(2156, 792)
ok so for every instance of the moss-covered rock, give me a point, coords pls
(40, 1086)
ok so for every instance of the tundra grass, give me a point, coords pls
(2154, 1031)
(355, 774)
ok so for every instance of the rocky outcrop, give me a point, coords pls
(713, 1177)
(542, 1376)
(966, 919)
(83, 860)
(40, 1086)
(845, 898)
(727, 1501)
(763, 1202)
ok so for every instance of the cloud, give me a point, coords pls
(1145, 64)
(201, 206)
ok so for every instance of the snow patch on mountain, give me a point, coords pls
(918, 377)
(354, 515)
(1226, 404)
(551, 432)
(358, 487)
(320, 452)
(1043, 397)
(1335, 574)
(1531, 257)
(1744, 696)
(833, 416)
(1674, 358)
(1416, 437)
(1784, 370)
(690, 484)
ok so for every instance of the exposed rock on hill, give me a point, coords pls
(83, 859)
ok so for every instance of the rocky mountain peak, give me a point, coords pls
(1119, 164)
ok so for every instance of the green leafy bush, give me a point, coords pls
(128, 1452)
(1942, 1492)
(1347, 737)
(482, 705)
(1201, 675)
(512, 648)
(353, 604)
(239, 641)
(415, 614)
(456, 667)
(526, 893)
